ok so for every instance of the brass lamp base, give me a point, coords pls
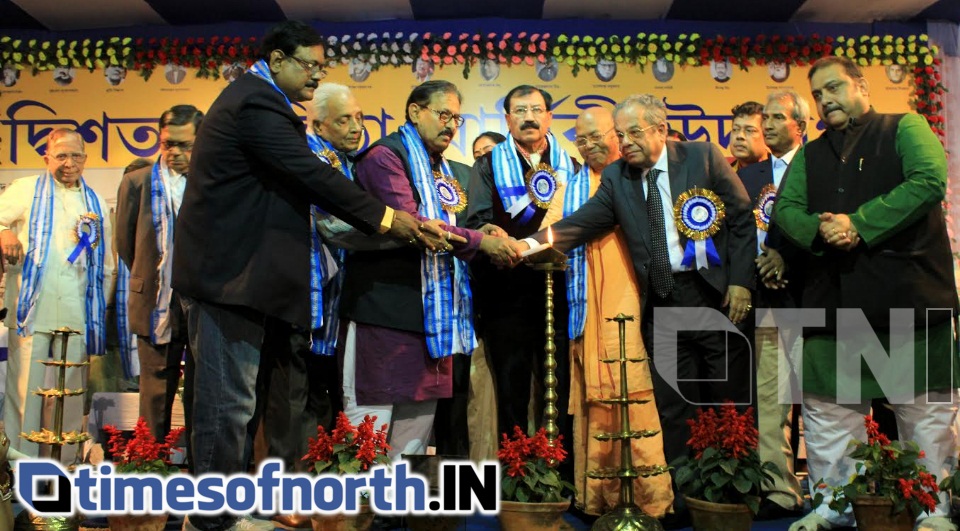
(31, 522)
(627, 518)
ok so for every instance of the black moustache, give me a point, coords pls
(529, 125)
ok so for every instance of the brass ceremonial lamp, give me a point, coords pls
(626, 516)
(547, 259)
(26, 521)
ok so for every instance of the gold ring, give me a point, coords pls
(448, 235)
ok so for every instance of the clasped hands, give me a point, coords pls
(838, 231)
(433, 235)
(771, 266)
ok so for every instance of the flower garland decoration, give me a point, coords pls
(208, 54)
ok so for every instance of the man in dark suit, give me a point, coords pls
(242, 253)
(638, 193)
(785, 117)
(153, 310)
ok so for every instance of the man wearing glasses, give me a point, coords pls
(512, 188)
(148, 202)
(60, 281)
(407, 312)
(242, 252)
(692, 364)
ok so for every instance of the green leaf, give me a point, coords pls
(742, 485)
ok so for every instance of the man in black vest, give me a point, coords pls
(863, 203)
(510, 302)
(405, 313)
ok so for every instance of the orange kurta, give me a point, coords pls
(611, 289)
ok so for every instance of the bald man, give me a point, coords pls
(601, 283)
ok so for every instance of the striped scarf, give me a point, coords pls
(447, 306)
(324, 290)
(161, 205)
(128, 360)
(509, 178)
(262, 70)
(576, 194)
(40, 235)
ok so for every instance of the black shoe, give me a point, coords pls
(772, 511)
(677, 520)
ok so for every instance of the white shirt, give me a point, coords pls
(63, 287)
(669, 223)
(780, 165)
(176, 185)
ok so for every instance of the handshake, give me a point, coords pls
(432, 235)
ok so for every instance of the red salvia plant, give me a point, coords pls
(142, 453)
(887, 469)
(726, 466)
(528, 467)
(348, 449)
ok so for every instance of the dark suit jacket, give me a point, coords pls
(243, 234)
(137, 247)
(620, 201)
(755, 177)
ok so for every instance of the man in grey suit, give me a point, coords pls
(147, 205)
(675, 269)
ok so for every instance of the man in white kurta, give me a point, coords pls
(62, 299)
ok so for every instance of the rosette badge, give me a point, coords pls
(451, 195)
(541, 185)
(87, 233)
(764, 208)
(330, 158)
(698, 213)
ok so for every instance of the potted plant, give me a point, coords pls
(141, 454)
(722, 481)
(347, 449)
(532, 493)
(890, 489)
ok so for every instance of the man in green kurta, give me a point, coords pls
(863, 202)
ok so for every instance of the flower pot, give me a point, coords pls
(519, 516)
(875, 513)
(137, 522)
(360, 521)
(709, 516)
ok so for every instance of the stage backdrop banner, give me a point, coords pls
(117, 112)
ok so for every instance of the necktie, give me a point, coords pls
(661, 274)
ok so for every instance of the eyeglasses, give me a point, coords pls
(446, 116)
(635, 134)
(594, 138)
(76, 157)
(521, 112)
(170, 144)
(309, 67)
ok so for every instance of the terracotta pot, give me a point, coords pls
(344, 522)
(709, 516)
(875, 513)
(138, 522)
(519, 516)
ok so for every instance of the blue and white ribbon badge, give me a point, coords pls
(87, 233)
(698, 213)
